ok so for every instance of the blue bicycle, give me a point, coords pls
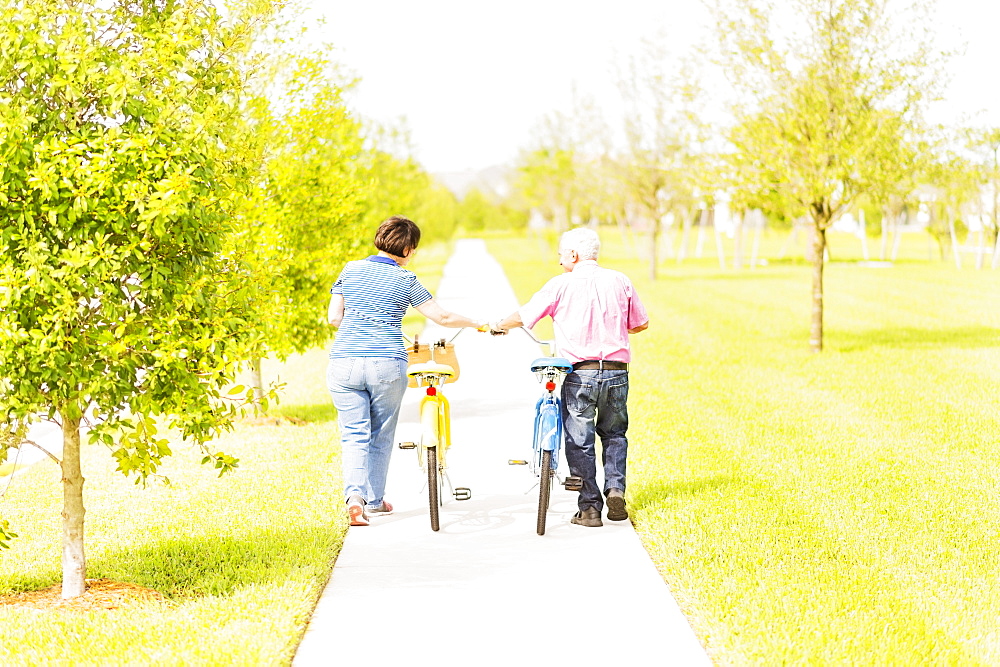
(548, 433)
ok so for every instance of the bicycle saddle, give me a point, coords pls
(429, 367)
(551, 362)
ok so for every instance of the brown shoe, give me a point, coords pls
(589, 517)
(616, 505)
(383, 509)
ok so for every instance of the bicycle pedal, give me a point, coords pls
(463, 493)
(516, 462)
(573, 484)
(407, 445)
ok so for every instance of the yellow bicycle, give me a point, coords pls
(432, 366)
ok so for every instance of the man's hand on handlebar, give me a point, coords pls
(492, 328)
(495, 330)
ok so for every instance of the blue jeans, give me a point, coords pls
(367, 392)
(595, 402)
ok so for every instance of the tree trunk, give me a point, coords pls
(669, 232)
(758, 231)
(954, 241)
(258, 382)
(654, 242)
(886, 213)
(995, 230)
(685, 235)
(863, 233)
(996, 252)
(702, 223)
(897, 235)
(74, 564)
(816, 320)
(738, 240)
(719, 250)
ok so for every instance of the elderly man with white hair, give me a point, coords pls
(593, 311)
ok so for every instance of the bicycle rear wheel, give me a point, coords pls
(433, 487)
(544, 490)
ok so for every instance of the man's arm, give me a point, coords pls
(512, 321)
(641, 327)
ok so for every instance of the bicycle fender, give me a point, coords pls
(434, 415)
(548, 427)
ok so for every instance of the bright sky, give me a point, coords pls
(474, 78)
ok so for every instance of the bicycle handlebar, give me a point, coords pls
(410, 340)
(550, 343)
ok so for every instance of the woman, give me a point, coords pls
(366, 375)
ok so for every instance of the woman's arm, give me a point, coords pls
(335, 314)
(433, 311)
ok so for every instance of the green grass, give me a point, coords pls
(837, 508)
(241, 559)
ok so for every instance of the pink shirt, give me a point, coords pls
(592, 309)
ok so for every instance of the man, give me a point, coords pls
(593, 311)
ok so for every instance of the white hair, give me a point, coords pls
(584, 241)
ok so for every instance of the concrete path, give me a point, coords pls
(486, 589)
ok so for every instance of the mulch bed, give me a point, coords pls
(101, 595)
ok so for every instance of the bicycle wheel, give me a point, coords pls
(544, 490)
(432, 487)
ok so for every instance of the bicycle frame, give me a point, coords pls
(548, 432)
(435, 426)
(548, 420)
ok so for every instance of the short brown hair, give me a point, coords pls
(397, 236)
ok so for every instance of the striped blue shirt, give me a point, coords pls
(377, 292)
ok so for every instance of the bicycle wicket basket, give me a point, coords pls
(440, 351)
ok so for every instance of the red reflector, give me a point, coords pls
(432, 391)
(550, 385)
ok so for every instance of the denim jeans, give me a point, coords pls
(367, 392)
(595, 402)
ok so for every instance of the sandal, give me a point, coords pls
(356, 513)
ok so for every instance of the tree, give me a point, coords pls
(663, 161)
(399, 185)
(305, 213)
(477, 212)
(122, 304)
(559, 175)
(831, 100)
(984, 144)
